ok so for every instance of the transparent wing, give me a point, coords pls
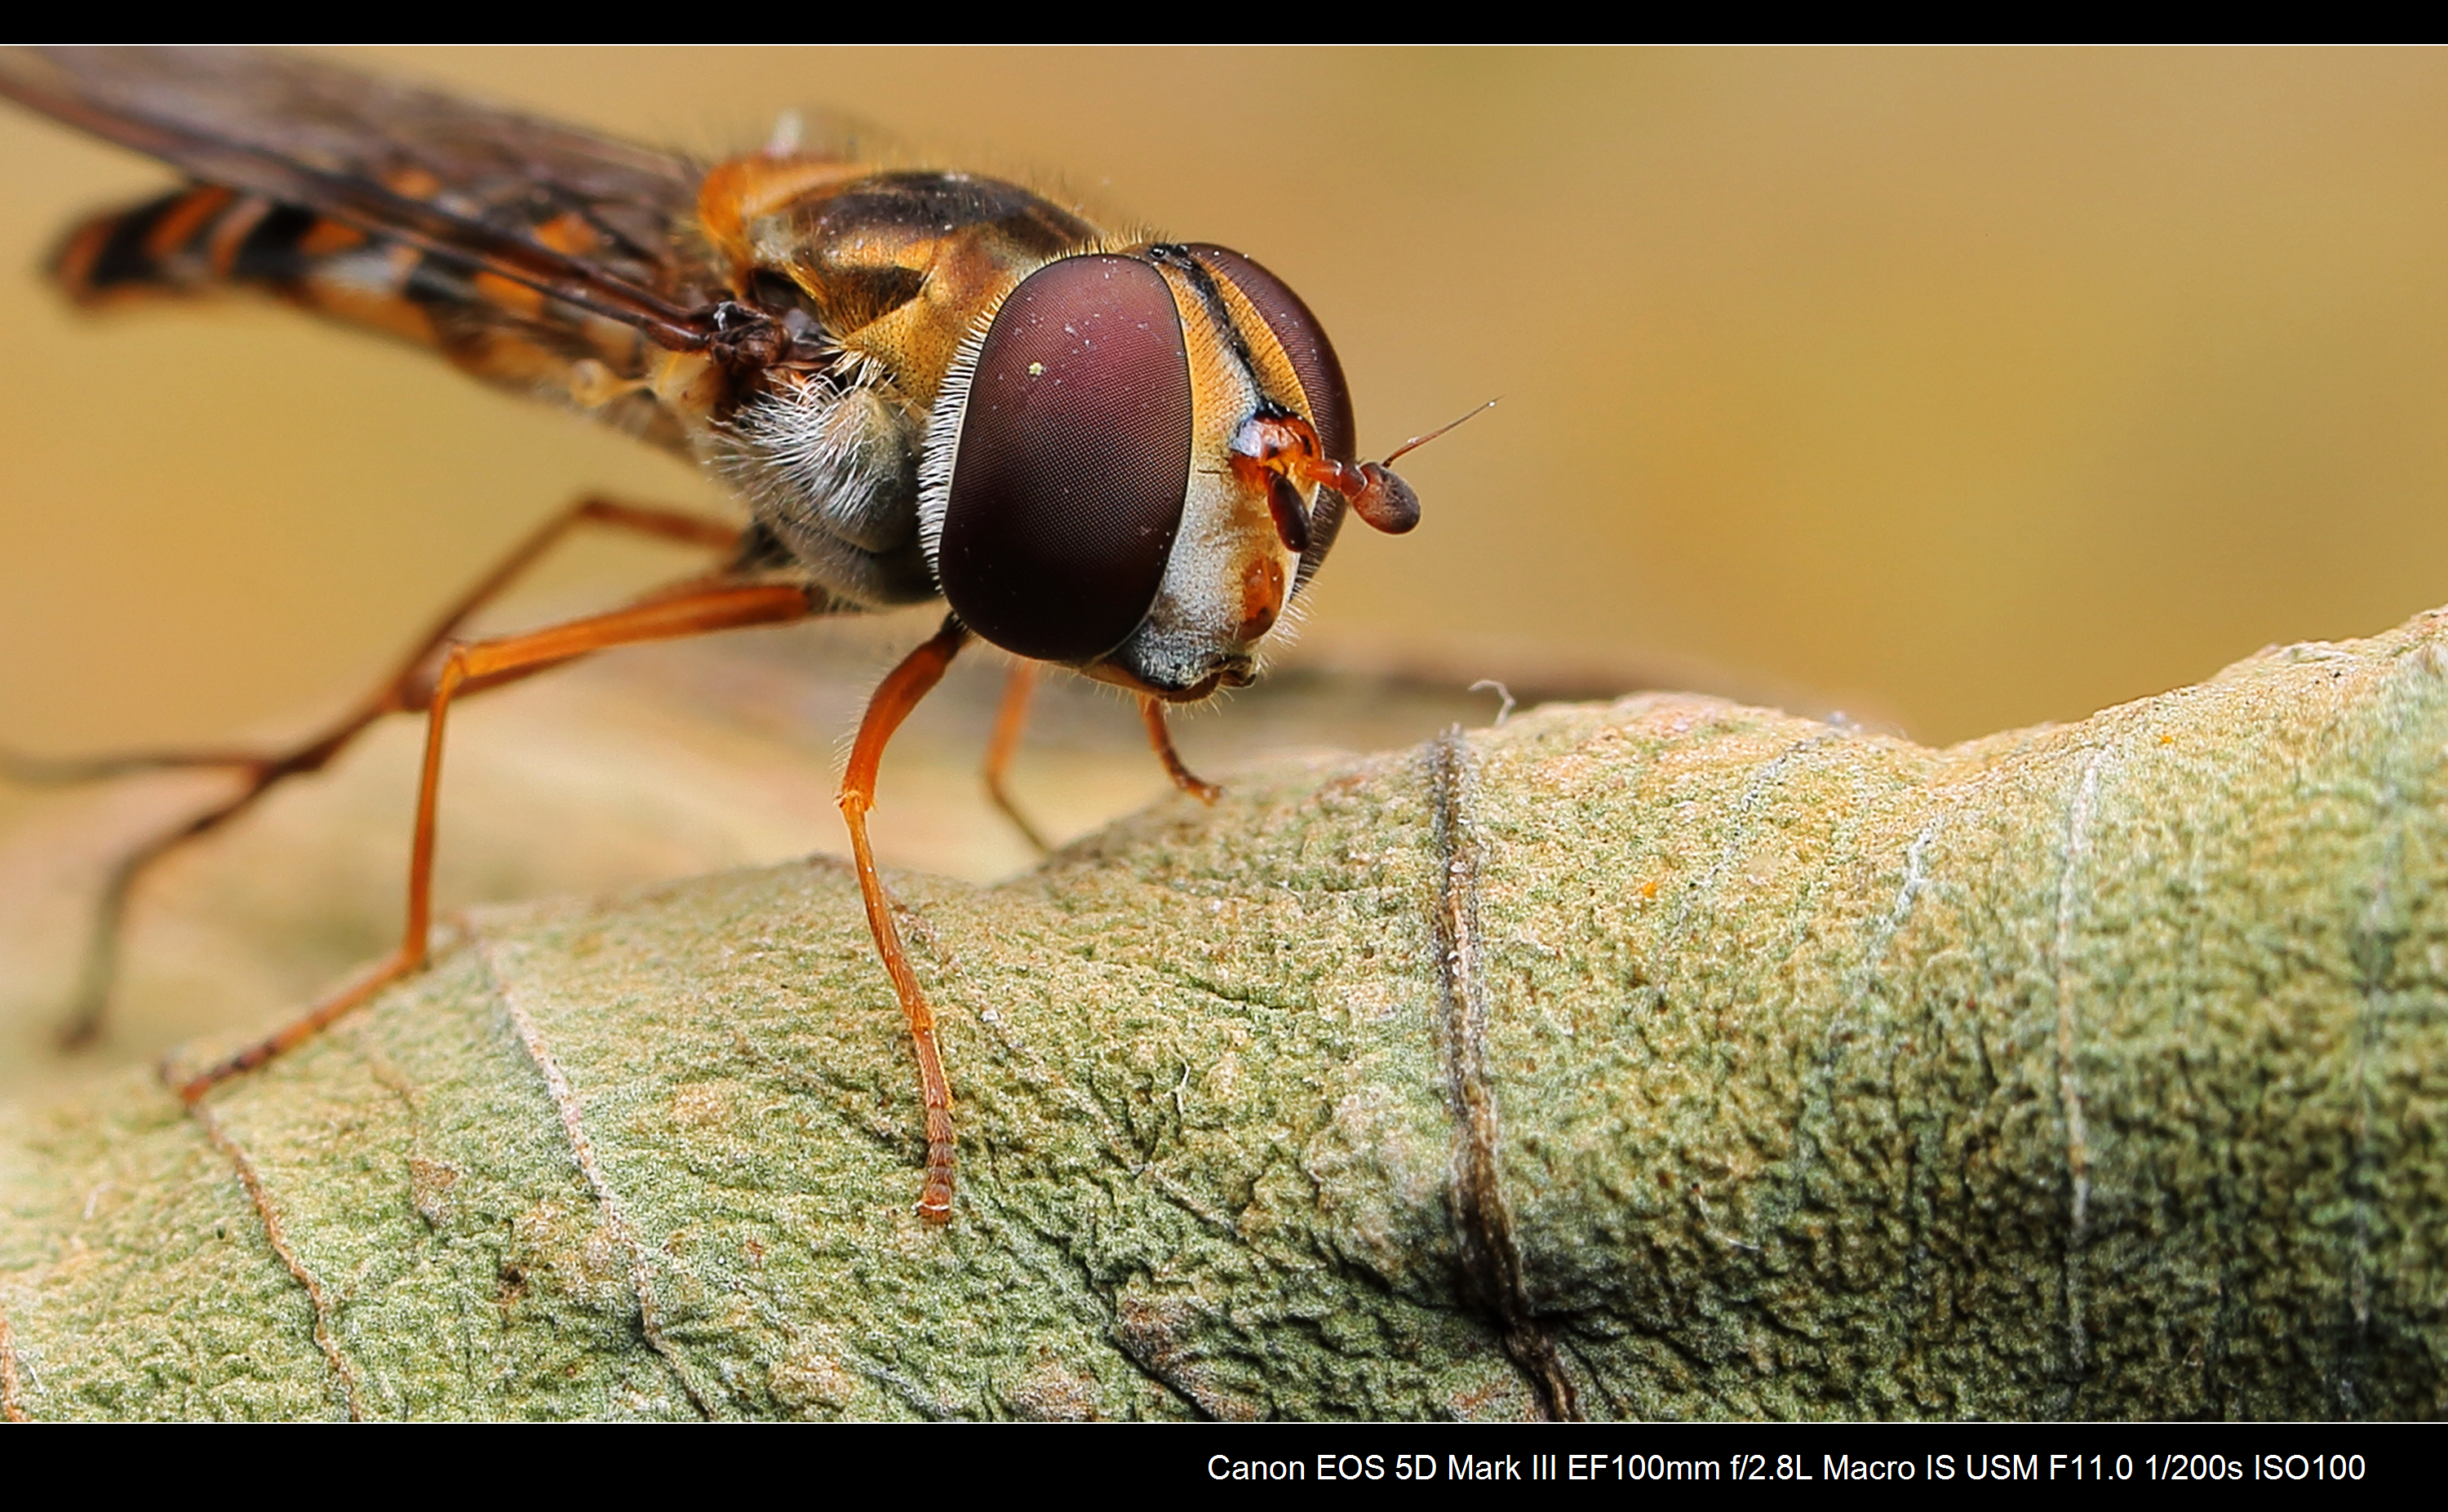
(596, 223)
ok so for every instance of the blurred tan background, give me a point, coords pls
(1957, 389)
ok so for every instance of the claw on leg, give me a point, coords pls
(298, 1031)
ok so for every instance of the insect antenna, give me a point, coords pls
(1382, 498)
(1417, 441)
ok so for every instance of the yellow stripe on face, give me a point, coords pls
(1230, 570)
(1276, 374)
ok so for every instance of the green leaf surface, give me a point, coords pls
(1667, 1059)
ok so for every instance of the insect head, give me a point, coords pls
(1138, 460)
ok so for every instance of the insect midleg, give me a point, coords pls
(471, 667)
(1010, 720)
(1160, 738)
(403, 691)
(894, 698)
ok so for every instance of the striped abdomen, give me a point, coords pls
(207, 238)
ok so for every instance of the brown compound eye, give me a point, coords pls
(1304, 341)
(1073, 462)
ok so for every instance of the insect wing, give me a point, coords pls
(478, 188)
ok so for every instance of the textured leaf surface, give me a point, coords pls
(1663, 1059)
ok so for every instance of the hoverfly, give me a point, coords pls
(1123, 456)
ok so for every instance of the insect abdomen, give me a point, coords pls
(206, 239)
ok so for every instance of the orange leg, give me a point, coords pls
(1152, 710)
(1010, 720)
(405, 690)
(909, 683)
(472, 668)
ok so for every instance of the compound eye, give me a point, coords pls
(1304, 341)
(1073, 462)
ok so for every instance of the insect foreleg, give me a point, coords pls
(899, 692)
(488, 664)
